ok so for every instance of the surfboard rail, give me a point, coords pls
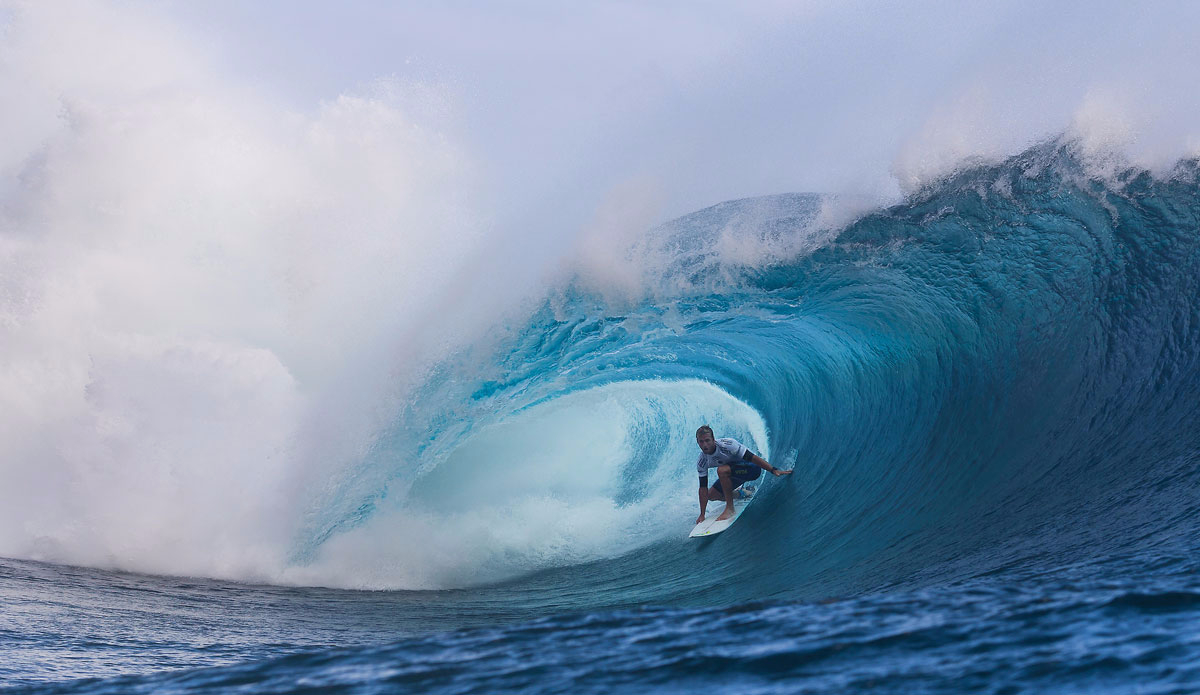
(711, 527)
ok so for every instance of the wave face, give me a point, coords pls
(988, 394)
(1001, 370)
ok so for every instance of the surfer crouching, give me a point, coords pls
(732, 461)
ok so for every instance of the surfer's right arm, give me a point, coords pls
(702, 471)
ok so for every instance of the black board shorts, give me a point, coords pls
(740, 473)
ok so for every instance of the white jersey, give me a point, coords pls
(728, 451)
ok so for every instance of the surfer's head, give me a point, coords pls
(706, 440)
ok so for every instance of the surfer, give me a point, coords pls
(732, 461)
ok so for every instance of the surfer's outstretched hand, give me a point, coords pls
(778, 472)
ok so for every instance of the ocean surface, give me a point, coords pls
(990, 394)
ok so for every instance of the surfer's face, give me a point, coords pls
(707, 444)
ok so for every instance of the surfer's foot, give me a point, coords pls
(724, 516)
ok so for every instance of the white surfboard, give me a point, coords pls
(710, 526)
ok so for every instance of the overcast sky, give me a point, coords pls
(564, 106)
(712, 101)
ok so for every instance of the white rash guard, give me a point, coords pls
(728, 451)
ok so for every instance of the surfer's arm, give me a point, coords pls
(762, 463)
(703, 497)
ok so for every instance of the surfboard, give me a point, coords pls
(710, 526)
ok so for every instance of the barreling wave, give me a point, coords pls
(1003, 369)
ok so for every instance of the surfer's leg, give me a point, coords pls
(727, 486)
(715, 492)
(742, 473)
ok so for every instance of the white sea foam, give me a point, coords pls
(209, 302)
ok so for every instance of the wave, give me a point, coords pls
(1000, 370)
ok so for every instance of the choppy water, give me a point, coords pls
(989, 393)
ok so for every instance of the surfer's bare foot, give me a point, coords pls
(725, 515)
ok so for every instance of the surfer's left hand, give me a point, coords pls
(778, 472)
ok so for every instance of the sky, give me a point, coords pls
(708, 101)
(566, 110)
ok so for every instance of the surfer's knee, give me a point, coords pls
(723, 471)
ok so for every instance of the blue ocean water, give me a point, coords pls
(989, 393)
